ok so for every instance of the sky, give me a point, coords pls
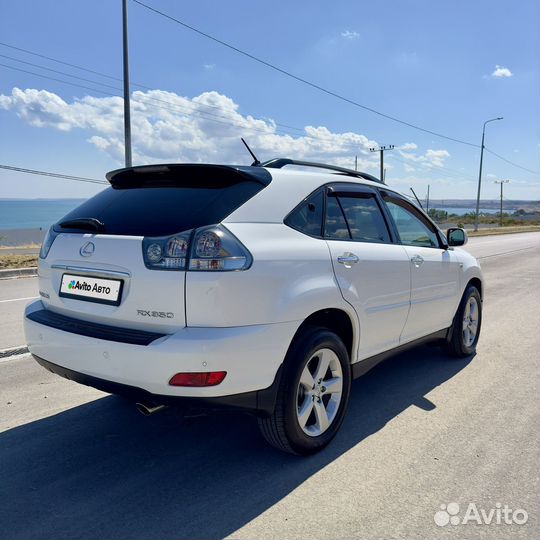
(444, 66)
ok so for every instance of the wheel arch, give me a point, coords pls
(476, 282)
(338, 321)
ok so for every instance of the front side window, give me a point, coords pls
(413, 229)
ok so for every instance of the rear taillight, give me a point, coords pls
(47, 243)
(166, 253)
(207, 249)
(215, 248)
(207, 378)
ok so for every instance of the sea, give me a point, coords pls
(34, 213)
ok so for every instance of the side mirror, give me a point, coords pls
(456, 237)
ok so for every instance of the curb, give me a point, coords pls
(13, 351)
(18, 272)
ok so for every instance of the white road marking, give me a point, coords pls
(18, 299)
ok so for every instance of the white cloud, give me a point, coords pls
(409, 146)
(170, 127)
(348, 34)
(431, 158)
(209, 67)
(501, 72)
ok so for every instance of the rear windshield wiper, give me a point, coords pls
(83, 224)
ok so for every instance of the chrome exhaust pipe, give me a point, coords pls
(149, 408)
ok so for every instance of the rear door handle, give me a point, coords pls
(348, 259)
(417, 260)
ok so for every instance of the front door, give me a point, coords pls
(434, 271)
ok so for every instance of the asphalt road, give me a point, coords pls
(422, 431)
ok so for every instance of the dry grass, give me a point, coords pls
(17, 261)
(25, 246)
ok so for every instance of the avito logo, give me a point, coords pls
(83, 286)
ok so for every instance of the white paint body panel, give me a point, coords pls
(378, 286)
(435, 291)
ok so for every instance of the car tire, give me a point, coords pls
(313, 394)
(465, 329)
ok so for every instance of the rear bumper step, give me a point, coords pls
(91, 329)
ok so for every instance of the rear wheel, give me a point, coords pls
(313, 394)
(466, 326)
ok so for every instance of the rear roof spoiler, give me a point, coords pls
(180, 174)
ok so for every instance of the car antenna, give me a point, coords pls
(417, 199)
(256, 162)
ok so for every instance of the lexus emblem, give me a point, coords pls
(87, 249)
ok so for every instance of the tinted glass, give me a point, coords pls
(365, 219)
(412, 228)
(307, 218)
(160, 211)
(335, 227)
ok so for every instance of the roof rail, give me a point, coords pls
(279, 163)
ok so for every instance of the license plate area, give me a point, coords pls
(91, 289)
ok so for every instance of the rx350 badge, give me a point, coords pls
(156, 314)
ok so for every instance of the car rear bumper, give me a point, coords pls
(251, 356)
(259, 401)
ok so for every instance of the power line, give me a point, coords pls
(510, 162)
(56, 71)
(55, 175)
(301, 79)
(101, 74)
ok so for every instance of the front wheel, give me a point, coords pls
(313, 394)
(466, 326)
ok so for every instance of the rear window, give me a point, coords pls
(161, 211)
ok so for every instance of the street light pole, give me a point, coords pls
(127, 108)
(480, 172)
(501, 182)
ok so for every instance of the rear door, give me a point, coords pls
(434, 270)
(119, 258)
(372, 271)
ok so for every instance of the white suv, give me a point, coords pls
(254, 287)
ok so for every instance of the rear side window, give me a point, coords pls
(165, 210)
(307, 218)
(357, 218)
(365, 220)
(335, 226)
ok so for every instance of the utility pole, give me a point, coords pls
(501, 182)
(355, 163)
(480, 172)
(382, 150)
(127, 107)
(427, 199)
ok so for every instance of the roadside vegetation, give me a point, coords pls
(17, 261)
(519, 217)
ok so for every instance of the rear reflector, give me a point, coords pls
(208, 378)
